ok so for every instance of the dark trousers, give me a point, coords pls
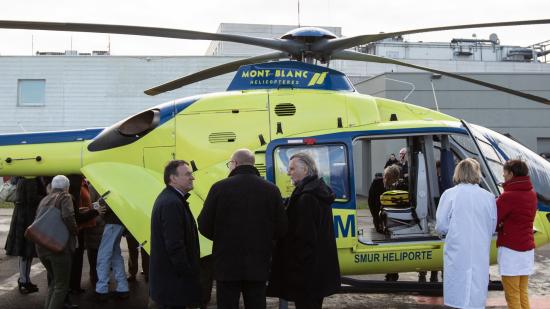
(206, 280)
(228, 294)
(316, 303)
(377, 221)
(92, 260)
(133, 252)
(76, 266)
(58, 267)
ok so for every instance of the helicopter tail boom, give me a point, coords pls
(43, 154)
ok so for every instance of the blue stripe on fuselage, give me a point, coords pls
(167, 111)
(49, 137)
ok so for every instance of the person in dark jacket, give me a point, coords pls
(29, 192)
(390, 181)
(243, 215)
(376, 189)
(516, 210)
(391, 160)
(85, 216)
(175, 254)
(305, 263)
(92, 237)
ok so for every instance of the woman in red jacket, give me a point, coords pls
(516, 209)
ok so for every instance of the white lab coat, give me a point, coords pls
(467, 215)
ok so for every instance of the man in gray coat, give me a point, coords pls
(243, 214)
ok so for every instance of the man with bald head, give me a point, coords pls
(243, 215)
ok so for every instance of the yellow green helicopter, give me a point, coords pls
(276, 109)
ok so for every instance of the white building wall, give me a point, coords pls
(96, 91)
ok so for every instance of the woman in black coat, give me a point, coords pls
(305, 263)
(29, 192)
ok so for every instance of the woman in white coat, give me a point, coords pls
(467, 216)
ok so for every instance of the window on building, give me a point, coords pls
(31, 92)
(543, 145)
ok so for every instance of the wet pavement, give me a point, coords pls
(539, 287)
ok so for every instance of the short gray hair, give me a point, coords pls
(60, 182)
(307, 162)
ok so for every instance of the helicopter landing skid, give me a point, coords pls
(351, 285)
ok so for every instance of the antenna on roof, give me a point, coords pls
(298, 13)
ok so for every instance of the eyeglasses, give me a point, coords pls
(228, 163)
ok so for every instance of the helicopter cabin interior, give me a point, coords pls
(407, 212)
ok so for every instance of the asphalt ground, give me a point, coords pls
(539, 287)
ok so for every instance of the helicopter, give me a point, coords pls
(276, 109)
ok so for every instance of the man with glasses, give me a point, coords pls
(243, 215)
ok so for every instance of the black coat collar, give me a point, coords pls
(316, 186)
(244, 169)
(183, 197)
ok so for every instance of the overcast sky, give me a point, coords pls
(354, 16)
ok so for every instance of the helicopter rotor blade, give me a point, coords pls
(277, 44)
(355, 56)
(344, 43)
(213, 72)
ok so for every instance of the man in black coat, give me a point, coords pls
(305, 263)
(243, 214)
(175, 254)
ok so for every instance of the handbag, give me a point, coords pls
(8, 192)
(48, 229)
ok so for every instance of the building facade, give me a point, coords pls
(73, 91)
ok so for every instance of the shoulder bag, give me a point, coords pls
(48, 229)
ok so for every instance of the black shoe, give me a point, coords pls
(101, 297)
(27, 288)
(77, 291)
(122, 295)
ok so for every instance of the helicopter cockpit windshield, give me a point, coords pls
(505, 149)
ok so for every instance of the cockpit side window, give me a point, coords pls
(331, 163)
(464, 147)
(539, 168)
